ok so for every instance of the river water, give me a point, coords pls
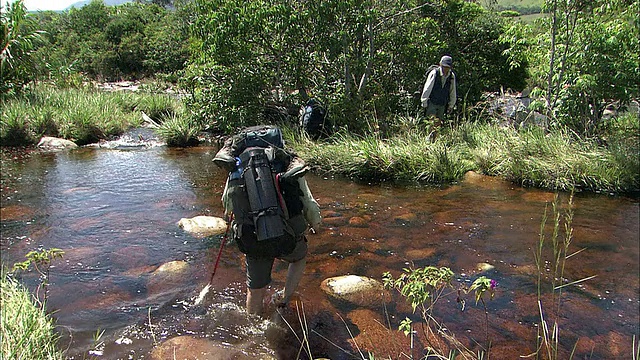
(114, 213)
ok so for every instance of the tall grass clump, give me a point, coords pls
(405, 157)
(27, 332)
(557, 160)
(84, 115)
(622, 139)
(14, 125)
(179, 130)
(158, 106)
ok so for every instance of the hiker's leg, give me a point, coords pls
(297, 261)
(431, 113)
(437, 122)
(255, 300)
(294, 274)
(258, 277)
(440, 112)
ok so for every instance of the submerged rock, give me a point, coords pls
(405, 218)
(419, 254)
(357, 290)
(484, 267)
(203, 226)
(167, 277)
(171, 268)
(189, 347)
(374, 336)
(358, 221)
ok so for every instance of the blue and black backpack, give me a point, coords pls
(264, 192)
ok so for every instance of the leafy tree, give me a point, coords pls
(83, 38)
(19, 36)
(582, 57)
(363, 57)
(120, 41)
(166, 45)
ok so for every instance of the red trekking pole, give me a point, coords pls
(204, 291)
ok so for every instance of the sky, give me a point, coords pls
(35, 5)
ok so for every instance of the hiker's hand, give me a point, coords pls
(450, 110)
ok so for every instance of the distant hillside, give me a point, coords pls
(524, 7)
(82, 3)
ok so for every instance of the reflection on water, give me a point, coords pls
(114, 213)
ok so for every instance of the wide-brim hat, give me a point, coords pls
(446, 61)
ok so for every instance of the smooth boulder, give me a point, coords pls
(189, 347)
(203, 226)
(354, 289)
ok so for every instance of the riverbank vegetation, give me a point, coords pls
(27, 330)
(84, 114)
(363, 62)
(559, 160)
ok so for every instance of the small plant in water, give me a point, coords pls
(480, 287)
(423, 288)
(97, 345)
(41, 261)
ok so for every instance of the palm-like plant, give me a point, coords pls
(18, 37)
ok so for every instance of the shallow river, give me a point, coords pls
(115, 213)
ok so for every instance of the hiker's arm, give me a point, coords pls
(311, 209)
(428, 86)
(226, 200)
(453, 94)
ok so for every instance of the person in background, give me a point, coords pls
(439, 92)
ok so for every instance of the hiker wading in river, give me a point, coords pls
(271, 206)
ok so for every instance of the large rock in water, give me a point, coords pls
(171, 268)
(188, 347)
(203, 226)
(354, 289)
(52, 143)
(167, 276)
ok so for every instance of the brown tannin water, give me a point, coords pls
(114, 213)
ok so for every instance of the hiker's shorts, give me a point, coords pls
(259, 269)
(437, 110)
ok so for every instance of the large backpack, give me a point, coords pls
(418, 93)
(313, 116)
(263, 199)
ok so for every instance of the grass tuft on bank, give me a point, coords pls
(83, 115)
(556, 160)
(26, 331)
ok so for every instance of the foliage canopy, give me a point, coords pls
(364, 58)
